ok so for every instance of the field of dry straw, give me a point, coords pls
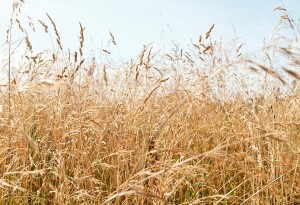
(204, 125)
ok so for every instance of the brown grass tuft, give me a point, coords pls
(292, 73)
(58, 40)
(209, 31)
(200, 125)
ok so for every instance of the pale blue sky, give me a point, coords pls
(138, 22)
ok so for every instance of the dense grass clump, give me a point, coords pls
(206, 125)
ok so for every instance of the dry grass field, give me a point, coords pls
(204, 125)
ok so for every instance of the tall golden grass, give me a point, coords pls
(185, 127)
